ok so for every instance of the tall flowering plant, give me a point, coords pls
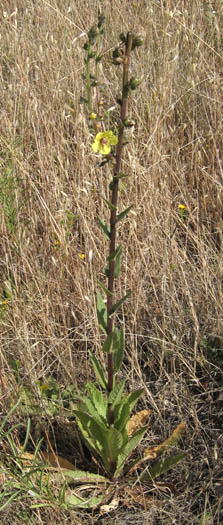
(103, 414)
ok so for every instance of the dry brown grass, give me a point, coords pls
(173, 320)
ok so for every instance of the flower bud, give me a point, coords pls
(101, 20)
(117, 61)
(92, 34)
(123, 38)
(134, 83)
(129, 123)
(137, 41)
(117, 53)
(91, 54)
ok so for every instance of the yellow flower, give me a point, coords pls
(181, 207)
(93, 116)
(103, 142)
(82, 256)
(44, 387)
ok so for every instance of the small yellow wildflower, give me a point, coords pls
(181, 207)
(44, 387)
(93, 116)
(82, 256)
(103, 142)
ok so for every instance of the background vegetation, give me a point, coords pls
(52, 249)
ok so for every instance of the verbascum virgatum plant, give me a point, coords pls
(103, 415)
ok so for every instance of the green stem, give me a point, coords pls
(88, 81)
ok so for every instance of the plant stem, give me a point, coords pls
(88, 81)
(114, 200)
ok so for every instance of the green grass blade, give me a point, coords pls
(13, 409)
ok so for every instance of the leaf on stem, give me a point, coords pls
(118, 257)
(118, 350)
(102, 313)
(108, 344)
(115, 253)
(110, 205)
(98, 400)
(127, 449)
(119, 303)
(123, 410)
(115, 442)
(94, 433)
(108, 293)
(115, 395)
(121, 215)
(98, 370)
(104, 228)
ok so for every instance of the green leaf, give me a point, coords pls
(80, 476)
(120, 175)
(121, 215)
(108, 344)
(162, 466)
(115, 442)
(118, 262)
(118, 350)
(133, 397)
(86, 405)
(81, 503)
(118, 304)
(98, 370)
(104, 228)
(99, 401)
(122, 415)
(116, 393)
(123, 410)
(94, 433)
(111, 206)
(82, 422)
(114, 254)
(108, 293)
(127, 449)
(102, 313)
(10, 412)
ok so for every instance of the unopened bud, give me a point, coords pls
(129, 123)
(137, 41)
(134, 83)
(117, 52)
(101, 20)
(117, 61)
(123, 38)
(91, 54)
(92, 34)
